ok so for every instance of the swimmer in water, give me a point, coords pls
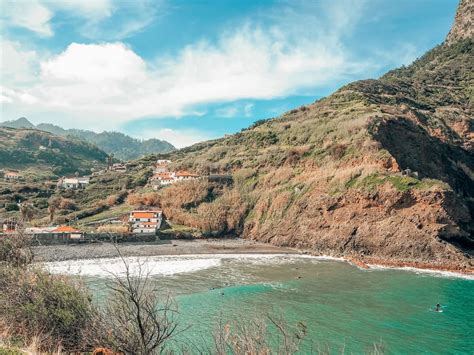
(438, 308)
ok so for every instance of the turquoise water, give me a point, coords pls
(342, 306)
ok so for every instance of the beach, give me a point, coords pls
(63, 252)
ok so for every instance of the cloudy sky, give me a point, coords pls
(191, 70)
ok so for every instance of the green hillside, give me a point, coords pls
(43, 153)
(120, 145)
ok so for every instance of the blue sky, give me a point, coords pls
(192, 70)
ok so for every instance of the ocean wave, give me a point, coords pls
(430, 272)
(166, 265)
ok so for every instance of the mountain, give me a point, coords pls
(21, 122)
(44, 154)
(120, 145)
(380, 170)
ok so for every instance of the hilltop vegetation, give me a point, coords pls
(120, 145)
(45, 154)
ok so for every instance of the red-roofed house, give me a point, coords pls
(145, 222)
(12, 175)
(185, 175)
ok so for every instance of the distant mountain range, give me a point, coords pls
(120, 145)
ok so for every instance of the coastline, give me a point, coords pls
(417, 266)
(63, 252)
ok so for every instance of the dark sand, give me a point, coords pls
(164, 247)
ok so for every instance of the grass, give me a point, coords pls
(10, 351)
(401, 183)
(115, 211)
(178, 228)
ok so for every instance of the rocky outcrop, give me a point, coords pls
(463, 27)
(411, 225)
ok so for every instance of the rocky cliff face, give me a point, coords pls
(463, 27)
(380, 169)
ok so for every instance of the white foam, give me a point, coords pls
(115, 266)
(165, 265)
(437, 273)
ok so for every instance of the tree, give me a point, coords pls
(138, 320)
(53, 204)
(15, 250)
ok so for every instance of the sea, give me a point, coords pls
(344, 309)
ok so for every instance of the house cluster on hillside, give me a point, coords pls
(73, 183)
(162, 176)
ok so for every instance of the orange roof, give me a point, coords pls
(12, 173)
(161, 175)
(185, 173)
(144, 214)
(66, 229)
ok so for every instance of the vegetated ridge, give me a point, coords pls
(120, 145)
(380, 170)
(44, 154)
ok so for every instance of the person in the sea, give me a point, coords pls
(438, 308)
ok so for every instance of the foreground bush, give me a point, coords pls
(37, 305)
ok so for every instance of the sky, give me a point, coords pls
(192, 70)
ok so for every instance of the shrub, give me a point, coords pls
(67, 204)
(11, 207)
(43, 306)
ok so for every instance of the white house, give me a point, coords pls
(73, 183)
(12, 175)
(119, 167)
(145, 222)
(161, 166)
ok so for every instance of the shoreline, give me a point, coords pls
(377, 263)
(66, 252)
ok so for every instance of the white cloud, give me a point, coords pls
(228, 111)
(92, 18)
(95, 64)
(234, 110)
(17, 65)
(86, 8)
(103, 85)
(248, 110)
(31, 15)
(110, 81)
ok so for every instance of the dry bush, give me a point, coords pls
(225, 214)
(51, 309)
(296, 153)
(113, 228)
(67, 204)
(15, 249)
(279, 203)
(134, 199)
(137, 319)
(144, 199)
(278, 176)
(186, 194)
(262, 336)
(337, 151)
(112, 200)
